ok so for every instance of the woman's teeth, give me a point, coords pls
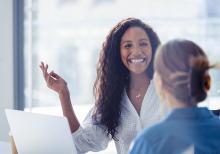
(136, 61)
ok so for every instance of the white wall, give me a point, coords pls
(6, 64)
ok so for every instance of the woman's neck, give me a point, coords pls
(137, 89)
(138, 80)
(175, 103)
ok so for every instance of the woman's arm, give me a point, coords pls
(89, 138)
(59, 85)
(68, 109)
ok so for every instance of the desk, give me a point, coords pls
(5, 147)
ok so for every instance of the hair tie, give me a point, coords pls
(206, 82)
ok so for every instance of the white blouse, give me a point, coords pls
(90, 137)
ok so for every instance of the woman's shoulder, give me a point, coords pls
(157, 132)
(90, 118)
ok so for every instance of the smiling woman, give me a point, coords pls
(136, 55)
(125, 98)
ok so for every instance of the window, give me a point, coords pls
(68, 34)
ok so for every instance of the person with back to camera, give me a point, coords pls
(125, 97)
(182, 80)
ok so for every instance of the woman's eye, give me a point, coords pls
(143, 44)
(128, 46)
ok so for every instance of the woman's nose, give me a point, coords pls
(136, 49)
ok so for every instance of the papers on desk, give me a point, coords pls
(5, 147)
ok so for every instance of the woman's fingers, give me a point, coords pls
(42, 66)
(44, 69)
(55, 75)
(49, 79)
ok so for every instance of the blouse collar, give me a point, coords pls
(190, 113)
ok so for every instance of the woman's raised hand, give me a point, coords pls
(58, 84)
(53, 80)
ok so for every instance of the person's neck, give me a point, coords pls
(175, 103)
(138, 80)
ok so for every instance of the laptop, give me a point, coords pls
(40, 134)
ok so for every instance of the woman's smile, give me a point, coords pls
(136, 60)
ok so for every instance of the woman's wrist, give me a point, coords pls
(64, 91)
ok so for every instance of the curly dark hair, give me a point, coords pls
(113, 76)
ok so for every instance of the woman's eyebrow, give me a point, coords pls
(126, 41)
(129, 41)
(144, 39)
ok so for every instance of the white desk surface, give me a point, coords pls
(5, 147)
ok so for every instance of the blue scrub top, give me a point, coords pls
(186, 129)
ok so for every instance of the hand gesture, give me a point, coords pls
(53, 80)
